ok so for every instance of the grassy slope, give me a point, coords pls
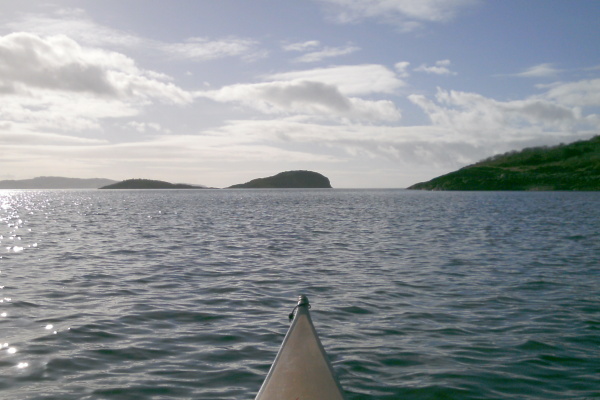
(574, 166)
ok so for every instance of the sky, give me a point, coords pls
(370, 93)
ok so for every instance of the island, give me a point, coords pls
(149, 184)
(55, 182)
(288, 180)
(574, 166)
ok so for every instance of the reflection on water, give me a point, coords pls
(185, 294)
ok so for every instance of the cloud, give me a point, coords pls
(57, 63)
(440, 68)
(406, 14)
(314, 54)
(203, 49)
(210, 157)
(16, 136)
(143, 127)
(304, 97)
(54, 86)
(402, 69)
(345, 144)
(349, 79)
(540, 71)
(326, 93)
(75, 24)
(473, 118)
(584, 93)
(327, 52)
(301, 46)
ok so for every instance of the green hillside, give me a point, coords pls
(287, 180)
(148, 184)
(574, 166)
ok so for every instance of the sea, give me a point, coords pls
(185, 294)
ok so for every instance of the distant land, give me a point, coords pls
(574, 166)
(283, 180)
(149, 184)
(288, 180)
(55, 182)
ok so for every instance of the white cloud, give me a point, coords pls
(17, 135)
(323, 92)
(540, 71)
(349, 79)
(585, 93)
(440, 68)
(203, 49)
(304, 97)
(402, 69)
(314, 52)
(75, 24)
(301, 46)
(407, 14)
(58, 63)
(52, 84)
(327, 52)
(475, 119)
(413, 145)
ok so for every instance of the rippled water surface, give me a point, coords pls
(185, 294)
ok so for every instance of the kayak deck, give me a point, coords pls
(301, 370)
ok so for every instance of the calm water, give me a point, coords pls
(185, 294)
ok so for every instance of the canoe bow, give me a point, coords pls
(301, 370)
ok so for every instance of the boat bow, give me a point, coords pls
(301, 370)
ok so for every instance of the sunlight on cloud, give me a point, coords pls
(54, 84)
(304, 97)
(540, 71)
(411, 145)
(349, 79)
(62, 111)
(31, 62)
(477, 119)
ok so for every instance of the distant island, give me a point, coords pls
(574, 166)
(283, 180)
(55, 182)
(149, 184)
(288, 180)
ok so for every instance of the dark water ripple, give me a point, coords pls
(185, 294)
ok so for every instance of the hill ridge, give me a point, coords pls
(298, 179)
(574, 166)
(138, 183)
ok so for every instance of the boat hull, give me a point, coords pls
(301, 369)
